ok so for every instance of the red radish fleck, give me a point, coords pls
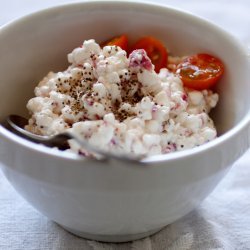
(138, 58)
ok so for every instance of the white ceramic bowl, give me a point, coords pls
(114, 201)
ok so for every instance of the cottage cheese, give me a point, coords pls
(121, 104)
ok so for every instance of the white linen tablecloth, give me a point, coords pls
(221, 222)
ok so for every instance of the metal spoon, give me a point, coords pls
(17, 123)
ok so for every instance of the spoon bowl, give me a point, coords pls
(59, 140)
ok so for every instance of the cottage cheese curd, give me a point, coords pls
(121, 104)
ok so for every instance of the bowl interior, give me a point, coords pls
(39, 43)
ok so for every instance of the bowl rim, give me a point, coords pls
(46, 151)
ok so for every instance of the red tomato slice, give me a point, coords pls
(200, 71)
(121, 41)
(155, 50)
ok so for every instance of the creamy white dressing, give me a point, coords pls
(120, 103)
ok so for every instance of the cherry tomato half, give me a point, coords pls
(121, 41)
(200, 71)
(156, 51)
